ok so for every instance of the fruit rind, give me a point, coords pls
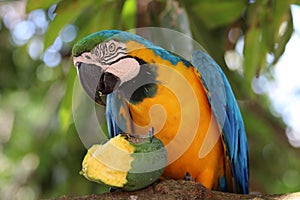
(125, 163)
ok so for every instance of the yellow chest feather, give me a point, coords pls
(182, 119)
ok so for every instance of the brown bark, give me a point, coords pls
(171, 189)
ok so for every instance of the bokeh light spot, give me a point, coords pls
(260, 84)
(38, 17)
(25, 193)
(35, 48)
(293, 137)
(51, 13)
(44, 73)
(291, 178)
(23, 31)
(57, 45)
(233, 60)
(51, 57)
(69, 33)
(11, 16)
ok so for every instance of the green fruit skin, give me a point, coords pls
(150, 159)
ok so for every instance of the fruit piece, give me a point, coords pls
(125, 162)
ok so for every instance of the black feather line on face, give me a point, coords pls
(104, 53)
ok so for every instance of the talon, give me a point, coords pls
(151, 134)
(188, 177)
(125, 135)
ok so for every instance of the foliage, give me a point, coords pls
(40, 152)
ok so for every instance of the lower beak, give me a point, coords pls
(108, 83)
(96, 82)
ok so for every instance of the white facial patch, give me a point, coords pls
(103, 54)
(87, 58)
(113, 52)
(126, 69)
(109, 51)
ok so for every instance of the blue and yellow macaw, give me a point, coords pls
(189, 105)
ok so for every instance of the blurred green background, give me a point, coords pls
(40, 151)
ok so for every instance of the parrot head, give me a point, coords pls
(103, 63)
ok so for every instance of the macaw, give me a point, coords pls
(189, 105)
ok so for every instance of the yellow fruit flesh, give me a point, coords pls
(109, 163)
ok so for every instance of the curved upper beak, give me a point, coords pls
(96, 82)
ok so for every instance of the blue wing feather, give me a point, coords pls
(117, 115)
(227, 113)
(113, 128)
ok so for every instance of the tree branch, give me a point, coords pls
(171, 189)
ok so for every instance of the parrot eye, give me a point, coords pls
(112, 47)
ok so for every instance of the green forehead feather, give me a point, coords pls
(88, 43)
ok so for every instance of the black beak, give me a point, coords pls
(108, 82)
(95, 82)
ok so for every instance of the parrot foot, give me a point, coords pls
(188, 177)
(151, 134)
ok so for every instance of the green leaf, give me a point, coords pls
(38, 4)
(266, 33)
(282, 41)
(255, 41)
(284, 28)
(129, 13)
(254, 53)
(102, 15)
(280, 14)
(111, 18)
(175, 17)
(67, 11)
(90, 20)
(252, 48)
(65, 111)
(219, 13)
